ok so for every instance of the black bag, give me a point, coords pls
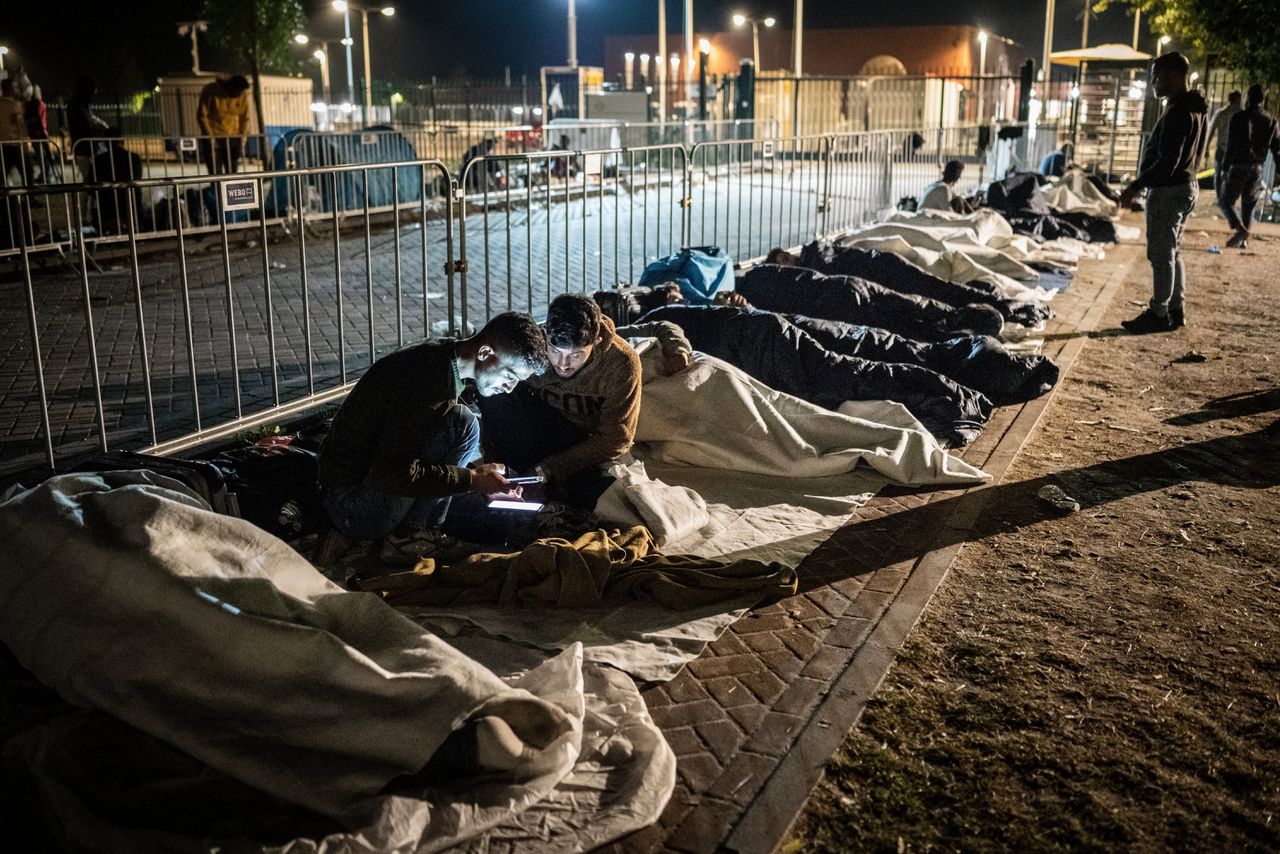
(276, 486)
(204, 478)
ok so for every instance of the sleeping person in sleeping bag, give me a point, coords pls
(777, 352)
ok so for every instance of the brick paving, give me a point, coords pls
(756, 717)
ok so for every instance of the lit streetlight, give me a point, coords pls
(1160, 44)
(739, 20)
(629, 76)
(345, 7)
(982, 70)
(3, 51)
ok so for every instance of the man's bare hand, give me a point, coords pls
(515, 493)
(488, 478)
(674, 363)
(732, 298)
(1127, 195)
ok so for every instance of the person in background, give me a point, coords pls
(562, 167)
(1055, 163)
(1168, 173)
(36, 115)
(941, 195)
(83, 125)
(1218, 127)
(1251, 134)
(13, 124)
(570, 423)
(402, 445)
(223, 116)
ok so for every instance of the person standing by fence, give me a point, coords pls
(1168, 172)
(223, 114)
(82, 124)
(1251, 135)
(1218, 127)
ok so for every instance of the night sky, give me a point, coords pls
(127, 44)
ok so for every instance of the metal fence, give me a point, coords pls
(221, 333)
(250, 315)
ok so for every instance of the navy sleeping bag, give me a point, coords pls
(781, 355)
(979, 362)
(797, 290)
(895, 272)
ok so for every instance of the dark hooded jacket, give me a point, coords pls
(1176, 143)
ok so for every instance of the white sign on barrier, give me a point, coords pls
(239, 195)
(187, 143)
(766, 148)
(592, 164)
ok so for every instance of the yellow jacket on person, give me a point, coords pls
(222, 113)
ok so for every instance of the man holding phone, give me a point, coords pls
(402, 445)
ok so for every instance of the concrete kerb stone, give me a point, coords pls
(853, 652)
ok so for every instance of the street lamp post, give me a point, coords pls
(3, 51)
(704, 51)
(629, 76)
(573, 35)
(191, 28)
(982, 70)
(660, 67)
(322, 57)
(1049, 9)
(345, 7)
(1160, 43)
(797, 39)
(739, 20)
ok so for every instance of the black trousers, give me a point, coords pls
(521, 431)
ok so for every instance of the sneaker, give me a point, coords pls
(409, 549)
(1146, 322)
(1177, 318)
(1239, 240)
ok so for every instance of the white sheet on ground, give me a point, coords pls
(981, 246)
(124, 593)
(1074, 192)
(774, 475)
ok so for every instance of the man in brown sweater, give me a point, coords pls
(568, 424)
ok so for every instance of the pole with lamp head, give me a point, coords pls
(190, 28)
(572, 35)
(704, 52)
(660, 69)
(628, 76)
(982, 72)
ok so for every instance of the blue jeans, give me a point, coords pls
(364, 513)
(1168, 209)
(1243, 183)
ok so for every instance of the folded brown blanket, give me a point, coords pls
(598, 566)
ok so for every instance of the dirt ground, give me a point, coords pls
(1109, 678)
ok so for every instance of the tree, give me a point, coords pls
(259, 33)
(1243, 35)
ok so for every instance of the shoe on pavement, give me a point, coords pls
(1239, 240)
(409, 549)
(1146, 322)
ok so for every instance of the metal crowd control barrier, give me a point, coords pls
(104, 158)
(26, 163)
(610, 210)
(785, 180)
(219, 338)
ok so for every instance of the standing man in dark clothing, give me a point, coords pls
(1168, 172)
(1251, 135)
(402, 444)
(1218, 127)
(82, 124)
